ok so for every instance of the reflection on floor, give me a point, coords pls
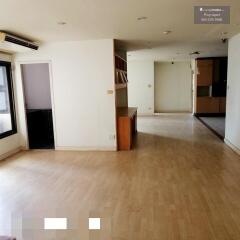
(217, 124)
(180, 182)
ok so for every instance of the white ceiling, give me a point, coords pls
(180, 51)
(95, 19)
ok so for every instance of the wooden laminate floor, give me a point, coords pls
(180, 183)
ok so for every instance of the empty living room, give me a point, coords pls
(119, 120)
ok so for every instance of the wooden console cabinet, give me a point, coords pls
(126, 127)
(126, 117)
(210, 105)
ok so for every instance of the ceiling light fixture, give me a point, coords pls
(224, 33)
(149, 45)
(224, 40)
(61, 23)
(195, 53)
(167, 32)
(142, 18)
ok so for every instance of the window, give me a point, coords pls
(7, 111)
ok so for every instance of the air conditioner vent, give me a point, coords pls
(18, 41)
(11, 42)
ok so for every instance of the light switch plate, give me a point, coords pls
(109, 92)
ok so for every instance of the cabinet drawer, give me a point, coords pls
(208, 105)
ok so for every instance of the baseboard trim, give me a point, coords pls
(232, 146)
(85, 149)
(210, 114)
(10, 153)
(171, 113)
(145, 114)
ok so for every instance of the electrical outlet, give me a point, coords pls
(112, 137)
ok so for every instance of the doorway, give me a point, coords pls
(211, 91)
(172, 87)
(38, 105)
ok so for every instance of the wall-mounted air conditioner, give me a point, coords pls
(11, 43)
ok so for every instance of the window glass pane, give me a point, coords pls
(3, 101)
(7, 127)
(5, 122)
(2, 76)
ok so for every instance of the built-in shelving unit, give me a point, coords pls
(120, 63)
(121, 79)
(126, 117)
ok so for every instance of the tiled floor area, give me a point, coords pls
(215, 123)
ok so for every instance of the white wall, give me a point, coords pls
(232, 134)
(11, 143)
(37, 86)
(141, 86)
(82, 73)
(173, 87)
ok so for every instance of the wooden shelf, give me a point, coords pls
(121, 77)
(121, 86)
(120, 63)
(119, 70)
(120, 57)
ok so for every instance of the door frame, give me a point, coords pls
(24, 123)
